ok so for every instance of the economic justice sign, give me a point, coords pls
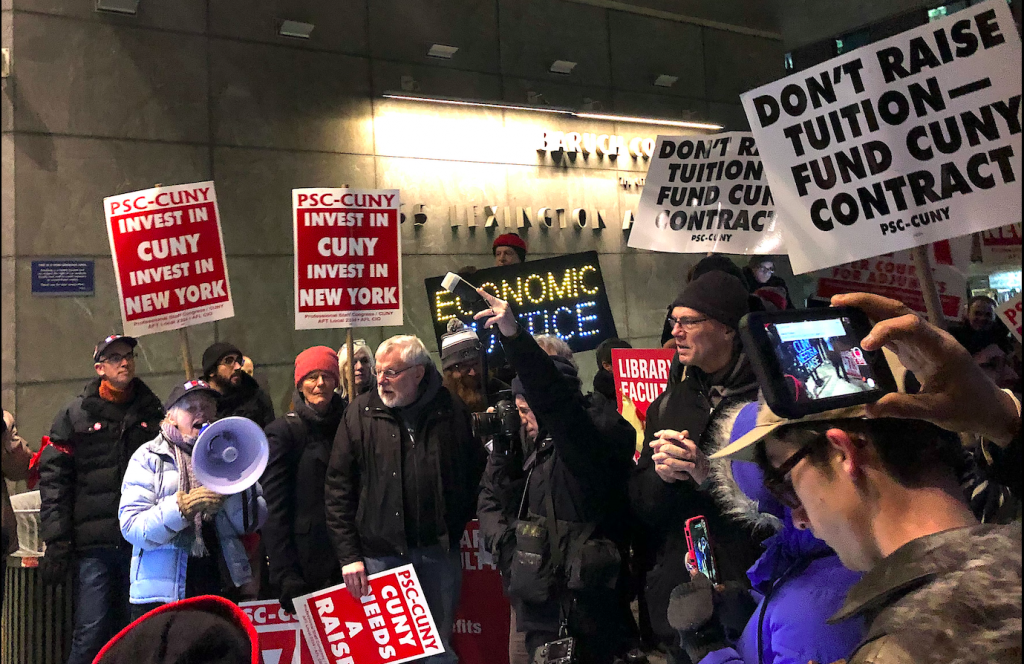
(897, 144)
(348, 258)
(563, 296)
(168, 258)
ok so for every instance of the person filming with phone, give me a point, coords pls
(567, 563)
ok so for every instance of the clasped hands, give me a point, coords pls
(677, 457)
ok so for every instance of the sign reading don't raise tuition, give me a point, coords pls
(168, 256)
(897, 144)
(707, 193)
(348, 258)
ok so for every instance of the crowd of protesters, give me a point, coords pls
(870, 534)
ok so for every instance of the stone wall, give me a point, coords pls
(99, 104)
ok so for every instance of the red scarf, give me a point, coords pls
(110, 393)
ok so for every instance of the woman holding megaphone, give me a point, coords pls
(184, 536)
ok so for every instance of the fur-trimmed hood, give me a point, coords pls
(765, 515)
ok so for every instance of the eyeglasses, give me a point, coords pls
(778, 482)
(688, 324)
(766, 268)
(116, 359)
(391, 374)
(231, 360)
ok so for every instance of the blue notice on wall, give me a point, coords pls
(68, 278)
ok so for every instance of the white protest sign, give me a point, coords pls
(901, 143)
(1010, 312)
(168, 254)
(706, 193)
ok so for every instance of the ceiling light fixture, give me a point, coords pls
(441, 51)
(562, 67)
(665, 81)
(118, 6)
(296, 29)
(555, 110)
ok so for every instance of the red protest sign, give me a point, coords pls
(482, 622)
(392, 624)
(168, 258)
(1010, 312)
(348, 258)
(1002, 246)
(641, 375)
(894, 276)
(280, 633)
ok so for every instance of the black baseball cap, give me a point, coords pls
(97, 353)
(189, 387)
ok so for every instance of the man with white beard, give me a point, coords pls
(402, 481)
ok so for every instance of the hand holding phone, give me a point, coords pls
(698, 541)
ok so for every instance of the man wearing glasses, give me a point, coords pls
(402, 481)
(239, 393)
(883, 493)
(710, 375)
(80, 476)
(762, 281)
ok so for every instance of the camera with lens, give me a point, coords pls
(562, 651)
(501, 425)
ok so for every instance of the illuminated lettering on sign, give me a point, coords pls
(603, 145)
(563, 296)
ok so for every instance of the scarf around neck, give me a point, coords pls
(187, 481)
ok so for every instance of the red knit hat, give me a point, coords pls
(510, 240)
(317, 358)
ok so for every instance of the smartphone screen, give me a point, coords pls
(702, 549)
(821, 359)
(468, 296)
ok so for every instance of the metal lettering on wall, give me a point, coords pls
(517, 217)
(603, 145)
(563, 296)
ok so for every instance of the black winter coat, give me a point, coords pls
(295, 532)
(247, 400)
(81, 488)
(663, 507)
(365, 507)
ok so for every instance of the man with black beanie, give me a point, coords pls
(710, 376)
(239, 393)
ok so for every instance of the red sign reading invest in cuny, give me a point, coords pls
(348, 258)
(392, 624)
(168, 256)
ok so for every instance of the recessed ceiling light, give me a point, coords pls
(442, 51)
(562, 67)
(296, 29)
(665, 81)
(118, 6)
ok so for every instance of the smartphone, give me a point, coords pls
(810, 360)
(465, 291)
(699, 542)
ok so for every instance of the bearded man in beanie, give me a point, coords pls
(709, 375)
(402, 481)
(238, 393)
(302, 559)
(80, 472)
(464, 366)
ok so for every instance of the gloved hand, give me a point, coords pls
(708, 620)
(199, 499)
(290, 589)
(56, 562)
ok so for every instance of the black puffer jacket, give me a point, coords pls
(247, 400)
(366, 512)
(80, 477)
(663, 508)
(295, 533)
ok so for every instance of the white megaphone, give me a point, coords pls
(230, 455)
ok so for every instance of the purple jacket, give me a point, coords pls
(802, 584)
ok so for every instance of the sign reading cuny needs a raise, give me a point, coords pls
(168, 256)
(563, 296)
(1010, 312)
(390, 625)
(707, 193)
(898, 144)
(281, 640)
(348, 258)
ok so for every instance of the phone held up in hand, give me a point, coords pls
(698, 540)
(465, 291)
(810, 360)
